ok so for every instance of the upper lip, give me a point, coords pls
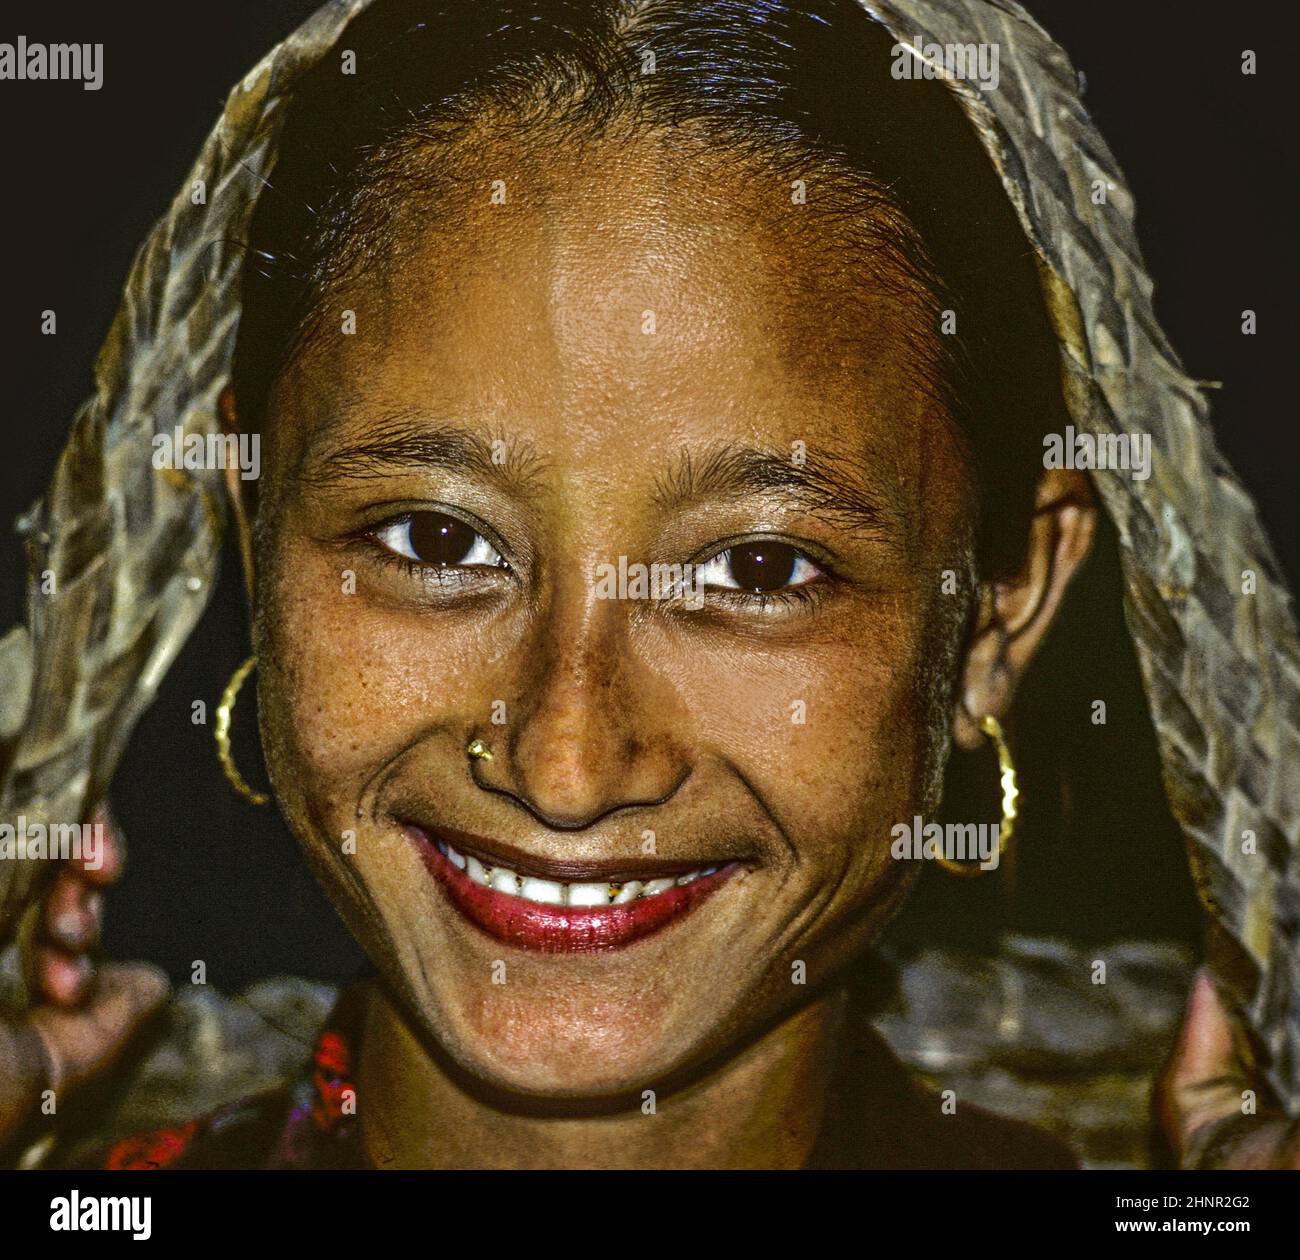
(493, 852)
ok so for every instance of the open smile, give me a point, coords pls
(591, 910)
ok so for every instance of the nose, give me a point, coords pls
(594, 729)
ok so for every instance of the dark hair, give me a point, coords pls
(763, 80)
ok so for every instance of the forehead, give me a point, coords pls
(625, 296)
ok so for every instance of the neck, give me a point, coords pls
(761, 1108)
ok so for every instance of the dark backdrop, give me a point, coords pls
(1206, 150)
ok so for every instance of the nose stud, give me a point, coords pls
(479, 751)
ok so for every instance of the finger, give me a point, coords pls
(106, 856)
(1206, 1052)
(71, 914)
(1210, 1100)
(82, 1043)
(62, 978)
(1204, 1079)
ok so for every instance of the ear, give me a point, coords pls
(238, 491)
(1013, 615)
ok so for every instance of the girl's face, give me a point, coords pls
(632, 360)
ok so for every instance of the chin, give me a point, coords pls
(542, 1044)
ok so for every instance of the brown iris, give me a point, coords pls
(765, 566)
(437, 539)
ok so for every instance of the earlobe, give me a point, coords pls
(237, 491)
(1013, 616)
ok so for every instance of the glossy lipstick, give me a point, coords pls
(562, 929)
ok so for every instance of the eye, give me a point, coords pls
(439, 541)
(759, 567)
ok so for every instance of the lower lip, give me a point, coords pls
(565, 929)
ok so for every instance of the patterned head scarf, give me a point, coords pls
(133, 549)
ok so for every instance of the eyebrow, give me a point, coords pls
(409, 439)
(820, 483)
(412, 440)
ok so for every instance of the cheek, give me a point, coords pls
(349, 684)
(829, 728)
(833, 732)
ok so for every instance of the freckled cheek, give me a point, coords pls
(356, 683)
(822, 724)
(831, 735)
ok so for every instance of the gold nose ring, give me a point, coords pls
(479, 751)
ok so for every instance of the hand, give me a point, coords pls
(1202, 1095)
(82, 1018)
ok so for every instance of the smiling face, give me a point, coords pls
(636, 355)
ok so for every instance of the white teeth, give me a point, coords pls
(504, 881)
(547, 891)
(550, 892)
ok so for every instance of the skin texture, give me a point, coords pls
(621, 716)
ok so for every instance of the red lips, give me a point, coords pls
(565, 929)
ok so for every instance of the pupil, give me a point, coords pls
(439, 539)
(763, 566)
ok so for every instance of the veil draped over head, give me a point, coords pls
(133, 550)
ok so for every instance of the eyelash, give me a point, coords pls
(803, 595)
(427, 574)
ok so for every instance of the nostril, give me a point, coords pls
(569, 781)
(561, 811)
(555, 812)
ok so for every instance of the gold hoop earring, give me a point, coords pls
(225, 711)
(479, 751)
(1010, 792)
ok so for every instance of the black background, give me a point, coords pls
(1207, 153)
